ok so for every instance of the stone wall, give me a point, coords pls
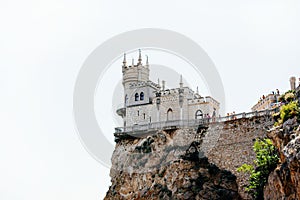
(234, 145)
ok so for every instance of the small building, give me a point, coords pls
(148, 102)
(269, 101)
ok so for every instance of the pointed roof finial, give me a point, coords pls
(140, 57)
(147, 61)
(197, 90)
(132, 62)
(181, 83)
(124, 60)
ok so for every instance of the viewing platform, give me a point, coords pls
(145, 129)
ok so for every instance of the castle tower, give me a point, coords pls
(135, 73)
(135, 80)
(293, 83)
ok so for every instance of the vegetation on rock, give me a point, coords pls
(287, 96)
(265, 162)
(288, 110)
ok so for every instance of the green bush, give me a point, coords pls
(287, 96)
(287, 111)
(265, 162)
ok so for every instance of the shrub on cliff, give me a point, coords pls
(265, 162)
(287, 96)
(286, 112)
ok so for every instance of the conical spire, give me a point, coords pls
(147, 61)
(124, 60)
(181, 83)
(140, 57)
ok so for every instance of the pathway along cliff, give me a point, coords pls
(187, 163)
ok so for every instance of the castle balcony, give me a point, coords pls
(121, 112)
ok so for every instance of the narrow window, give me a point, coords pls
(169, 114)
(144, 116)
(138, 113)
(136, 96)
(142, 96)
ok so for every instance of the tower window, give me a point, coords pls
(136, 96)
(138, 113)
(142, 96)
(144, 116)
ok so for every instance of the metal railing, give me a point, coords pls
(192, 123)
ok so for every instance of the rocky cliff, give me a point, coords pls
(167, 165)
(284, 181)
(186, 163)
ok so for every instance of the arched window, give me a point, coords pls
(199, 114)
(169, 114)
(136, 96)
(142, 96)
(126, 99)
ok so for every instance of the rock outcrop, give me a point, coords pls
(284, 181)
(168, 165)
(187, 163)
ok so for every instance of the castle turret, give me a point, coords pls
(135, 82)
(293, 83)
(135, 73)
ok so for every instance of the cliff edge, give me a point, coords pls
(284, 181)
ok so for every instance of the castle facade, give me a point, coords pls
(148, 102)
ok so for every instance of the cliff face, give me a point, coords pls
(168, 165)
(186, 163)
(284, 181)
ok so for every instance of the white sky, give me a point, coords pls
(255, 46)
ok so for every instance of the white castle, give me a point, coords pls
(148, 102)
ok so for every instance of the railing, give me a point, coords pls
(162, 125)
(192, 123)
(249, 114)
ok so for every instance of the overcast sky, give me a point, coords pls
(255, 46)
